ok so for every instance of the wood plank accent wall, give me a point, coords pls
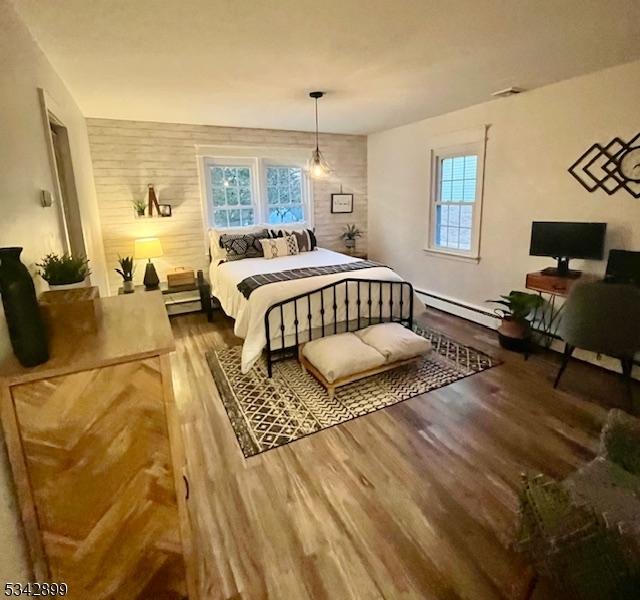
(128, 155)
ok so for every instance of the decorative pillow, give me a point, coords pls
(281, 246)
(340, 355)
(216, 250)
(243, 245)
(394, 341)
(306, 238)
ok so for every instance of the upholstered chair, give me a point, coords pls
(603, 318)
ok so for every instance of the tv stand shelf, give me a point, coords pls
(546, 283)
(546, 320)
(555, 272)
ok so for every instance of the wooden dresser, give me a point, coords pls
(96, 452)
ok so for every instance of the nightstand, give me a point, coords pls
(360, 255)
(184, 299)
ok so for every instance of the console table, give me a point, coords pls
(96, 452)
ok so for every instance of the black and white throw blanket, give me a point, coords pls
(248, 285)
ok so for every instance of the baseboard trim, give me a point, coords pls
(477, 314)
(459, 308)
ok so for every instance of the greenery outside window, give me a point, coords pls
(250, 191)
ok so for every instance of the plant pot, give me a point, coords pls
(514, 335)
(24, 319)
(70, 286)
(521, 345)
(128, 287)
(350, 244)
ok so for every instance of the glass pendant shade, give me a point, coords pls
(317, 166)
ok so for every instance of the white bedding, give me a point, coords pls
(249, 312)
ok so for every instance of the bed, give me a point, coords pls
(249, 313)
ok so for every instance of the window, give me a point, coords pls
(284, 195)
(456, 200)
(232, 195)
(455, 196)
(247, 191)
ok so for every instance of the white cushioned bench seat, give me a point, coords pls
(345, 357)
(394, 341)
(341, 355)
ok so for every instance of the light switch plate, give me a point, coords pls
(46, 198)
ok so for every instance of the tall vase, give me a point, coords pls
(24, 320)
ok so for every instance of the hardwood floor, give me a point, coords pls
(418, 500)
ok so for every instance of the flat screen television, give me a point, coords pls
(564, 241)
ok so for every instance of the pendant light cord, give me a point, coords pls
(317, 146)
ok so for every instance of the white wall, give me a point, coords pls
(128, 155)
(24, 171)
(533, 138)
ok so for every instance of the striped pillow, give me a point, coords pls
(306, 238)
(280, 246)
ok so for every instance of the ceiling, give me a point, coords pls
(251, 63)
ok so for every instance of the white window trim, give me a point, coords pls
(231, 162)
(307, 205)
(258, 158)
(459, 143)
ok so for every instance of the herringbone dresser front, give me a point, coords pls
(97, 456)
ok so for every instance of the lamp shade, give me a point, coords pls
(317, 165)
(147, 248)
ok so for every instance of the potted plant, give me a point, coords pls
(515, 330)
(126, 270)
(350, 235)
(140, 206)
(63, 272)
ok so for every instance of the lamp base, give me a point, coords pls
(151, 281)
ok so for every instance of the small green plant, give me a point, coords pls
(517, 305)
(63, 269)
(140, 205)
(351, 232)
(127, 268)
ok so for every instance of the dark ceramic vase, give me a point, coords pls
(24, 320)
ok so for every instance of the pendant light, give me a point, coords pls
(317, 165)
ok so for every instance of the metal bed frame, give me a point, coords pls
(365, 294)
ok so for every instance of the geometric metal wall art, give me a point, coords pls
(610, 168)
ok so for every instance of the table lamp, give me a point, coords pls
(148, 248)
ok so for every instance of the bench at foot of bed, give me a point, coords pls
(340, 359)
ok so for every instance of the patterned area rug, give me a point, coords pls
(267, 413)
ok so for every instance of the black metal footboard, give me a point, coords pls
(346, 305)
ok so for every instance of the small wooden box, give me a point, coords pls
(81, 294)
(181, 276)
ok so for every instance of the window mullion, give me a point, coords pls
(260, 183)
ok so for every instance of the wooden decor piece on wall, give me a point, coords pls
(610, 168)
(153, 201)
